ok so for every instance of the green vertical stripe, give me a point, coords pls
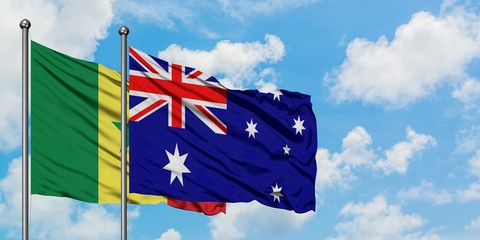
(64, 125)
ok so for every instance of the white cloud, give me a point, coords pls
(398, 157)
(337, 168)
(334, 171)
(473, 226)
(69, 26)
(355, 150)
(420, 236)
(471, 231)
(425, 191)
(236, 71)
(164, 13)
(448, 5)
(411, 66)
(468, 140)
(474, 163)
(244, 219)
(170, 234)
(188, 14)
(52, 217)
(377, 220)
(472, 193)
(243, 9)
(134, 213)
(468, 94)
(11, 196)
(71, 221)
(171, 14)
(73, 27)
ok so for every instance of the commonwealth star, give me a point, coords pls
(176, 165)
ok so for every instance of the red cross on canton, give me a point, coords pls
(171, 85)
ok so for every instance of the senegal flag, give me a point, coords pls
(75, 132)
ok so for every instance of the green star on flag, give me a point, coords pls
(119, 126)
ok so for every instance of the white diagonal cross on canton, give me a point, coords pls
(175, 86)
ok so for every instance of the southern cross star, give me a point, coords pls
(176, 165)
(276, 192)
(298, 125)
(251, 128)
(276, 95)
(286, 150)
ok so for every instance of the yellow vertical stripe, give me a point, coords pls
(109, 105)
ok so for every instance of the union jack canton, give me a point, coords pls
(178, 87)
(194, 140)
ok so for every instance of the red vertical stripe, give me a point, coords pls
(176, 99)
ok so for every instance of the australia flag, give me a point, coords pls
(192, 139)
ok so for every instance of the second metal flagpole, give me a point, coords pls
(25, 25)
(123, 31)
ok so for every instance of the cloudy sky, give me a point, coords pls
(395, 88)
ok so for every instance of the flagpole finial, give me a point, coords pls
(25, 24)
(123, 30)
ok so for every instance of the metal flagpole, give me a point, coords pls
(25, 25)
(123, 31)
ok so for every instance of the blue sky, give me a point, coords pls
(395, 89)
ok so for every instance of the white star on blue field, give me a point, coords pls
(176, 165)
(394, 85)
(251, 128)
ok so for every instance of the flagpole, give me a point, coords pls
(123, 31)
(25, 26)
